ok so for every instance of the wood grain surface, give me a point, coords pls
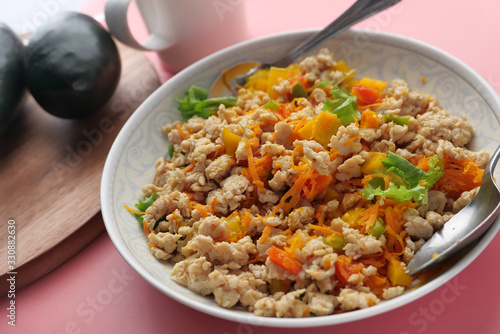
(50, 173)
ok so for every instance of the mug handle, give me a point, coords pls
(115, 12)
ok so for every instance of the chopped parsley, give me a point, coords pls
(409, 182)
(343, 105)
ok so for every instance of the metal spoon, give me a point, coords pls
(235, 77)
(465, 227)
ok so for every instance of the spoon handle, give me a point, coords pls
(360, 10)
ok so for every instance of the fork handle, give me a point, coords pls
(360, 10)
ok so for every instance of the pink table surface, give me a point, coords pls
(97, 292)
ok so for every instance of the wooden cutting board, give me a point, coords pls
(50, 173)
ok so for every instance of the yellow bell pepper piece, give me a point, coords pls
(275, 73)
(342, 67)
(258, 80)
(372, 163)
(326, 125)
(295, 243)
(352, 216)
(331, 194)
(372, 83)
(369, 119)
(306, 132)
(235, 232)
(231, 141)
(396, 273)
(260, 84)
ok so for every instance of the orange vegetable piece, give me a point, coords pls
(284, 260)
(366, 95)
(344, 268)
(231, 141)
(251, 166)
(326, 125)
(396, 273)
(459, 176)
(145, 228)
(370, 119)
(322, 182)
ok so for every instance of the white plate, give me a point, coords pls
(130, 163)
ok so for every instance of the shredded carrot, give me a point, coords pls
(316, 185)
(297, 127)
(183, 135)
(201, 209)
(323, 229)
(421, 162)
(333, 154)
(391, 220)
(394, 243)
(219, 151)
(129, 209)
(246, 173)
(265, 234)
(266, 160)
(251, 167)
(369, 216)
(189, 168)
(295, 191)
(214, 203)
(393, 217)
(306, 312)
(246, 220)
(256, 130)
(309, 190)
(284, 109)
(263, 166)
(320, 215)
(292, 160)
(145, 227)
(377, 260)
(277, 166)
(278, 114)
(459, 176)
(351, 140)
(356, 122)
(276, 209)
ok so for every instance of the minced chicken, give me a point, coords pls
(270, 204)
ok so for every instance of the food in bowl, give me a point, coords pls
(308, 193)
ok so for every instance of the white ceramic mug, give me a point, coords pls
(181, 31)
